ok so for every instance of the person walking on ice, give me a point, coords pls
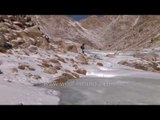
(82, 48)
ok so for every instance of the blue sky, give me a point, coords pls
(78, 17)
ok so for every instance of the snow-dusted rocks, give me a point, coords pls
(26, 67)
(4, 46)
(64, 78)
(81, 71)
(148, 56)
(50, 70)
(142, 64)
(100, 64)
(81, 58)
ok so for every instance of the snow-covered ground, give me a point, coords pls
(17, 87)
(111, 84)
(18, 94)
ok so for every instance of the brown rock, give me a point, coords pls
(123, 62)
(31, 68)
(45, 63)
(147, 67)
(110, 55)
(75, 66)
(33, 32)
(75, 74)
(140, 66)
(81, 71)
(3, 50)
(50, 70)
(72, 60)
(54, 61)
(151, 69)
(4, 46)
(23, 67)
(81, 59)
(100, 64)
(44, 44)
(61, 59)
(57, 67)
(19, 24)
(28, 75)
(64, 78)
(72, 48)
(150, 57)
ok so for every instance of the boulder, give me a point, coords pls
(75, 66)
(72, 61)
(61, 59)
(57, 67)
(81, 71)
(75, 74)
(50, 70)
(45, 63)
(53, 60)
(19, 24)
(24, 67)
(72, 48)
(64, 78)
(100, 64)
(4, 46)
(33, 32)
(1, 72)
(110, 55)
(80, 58)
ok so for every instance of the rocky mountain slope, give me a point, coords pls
(59, 26)
(30, 56)
(108, 32)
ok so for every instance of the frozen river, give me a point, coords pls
(116, 85)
